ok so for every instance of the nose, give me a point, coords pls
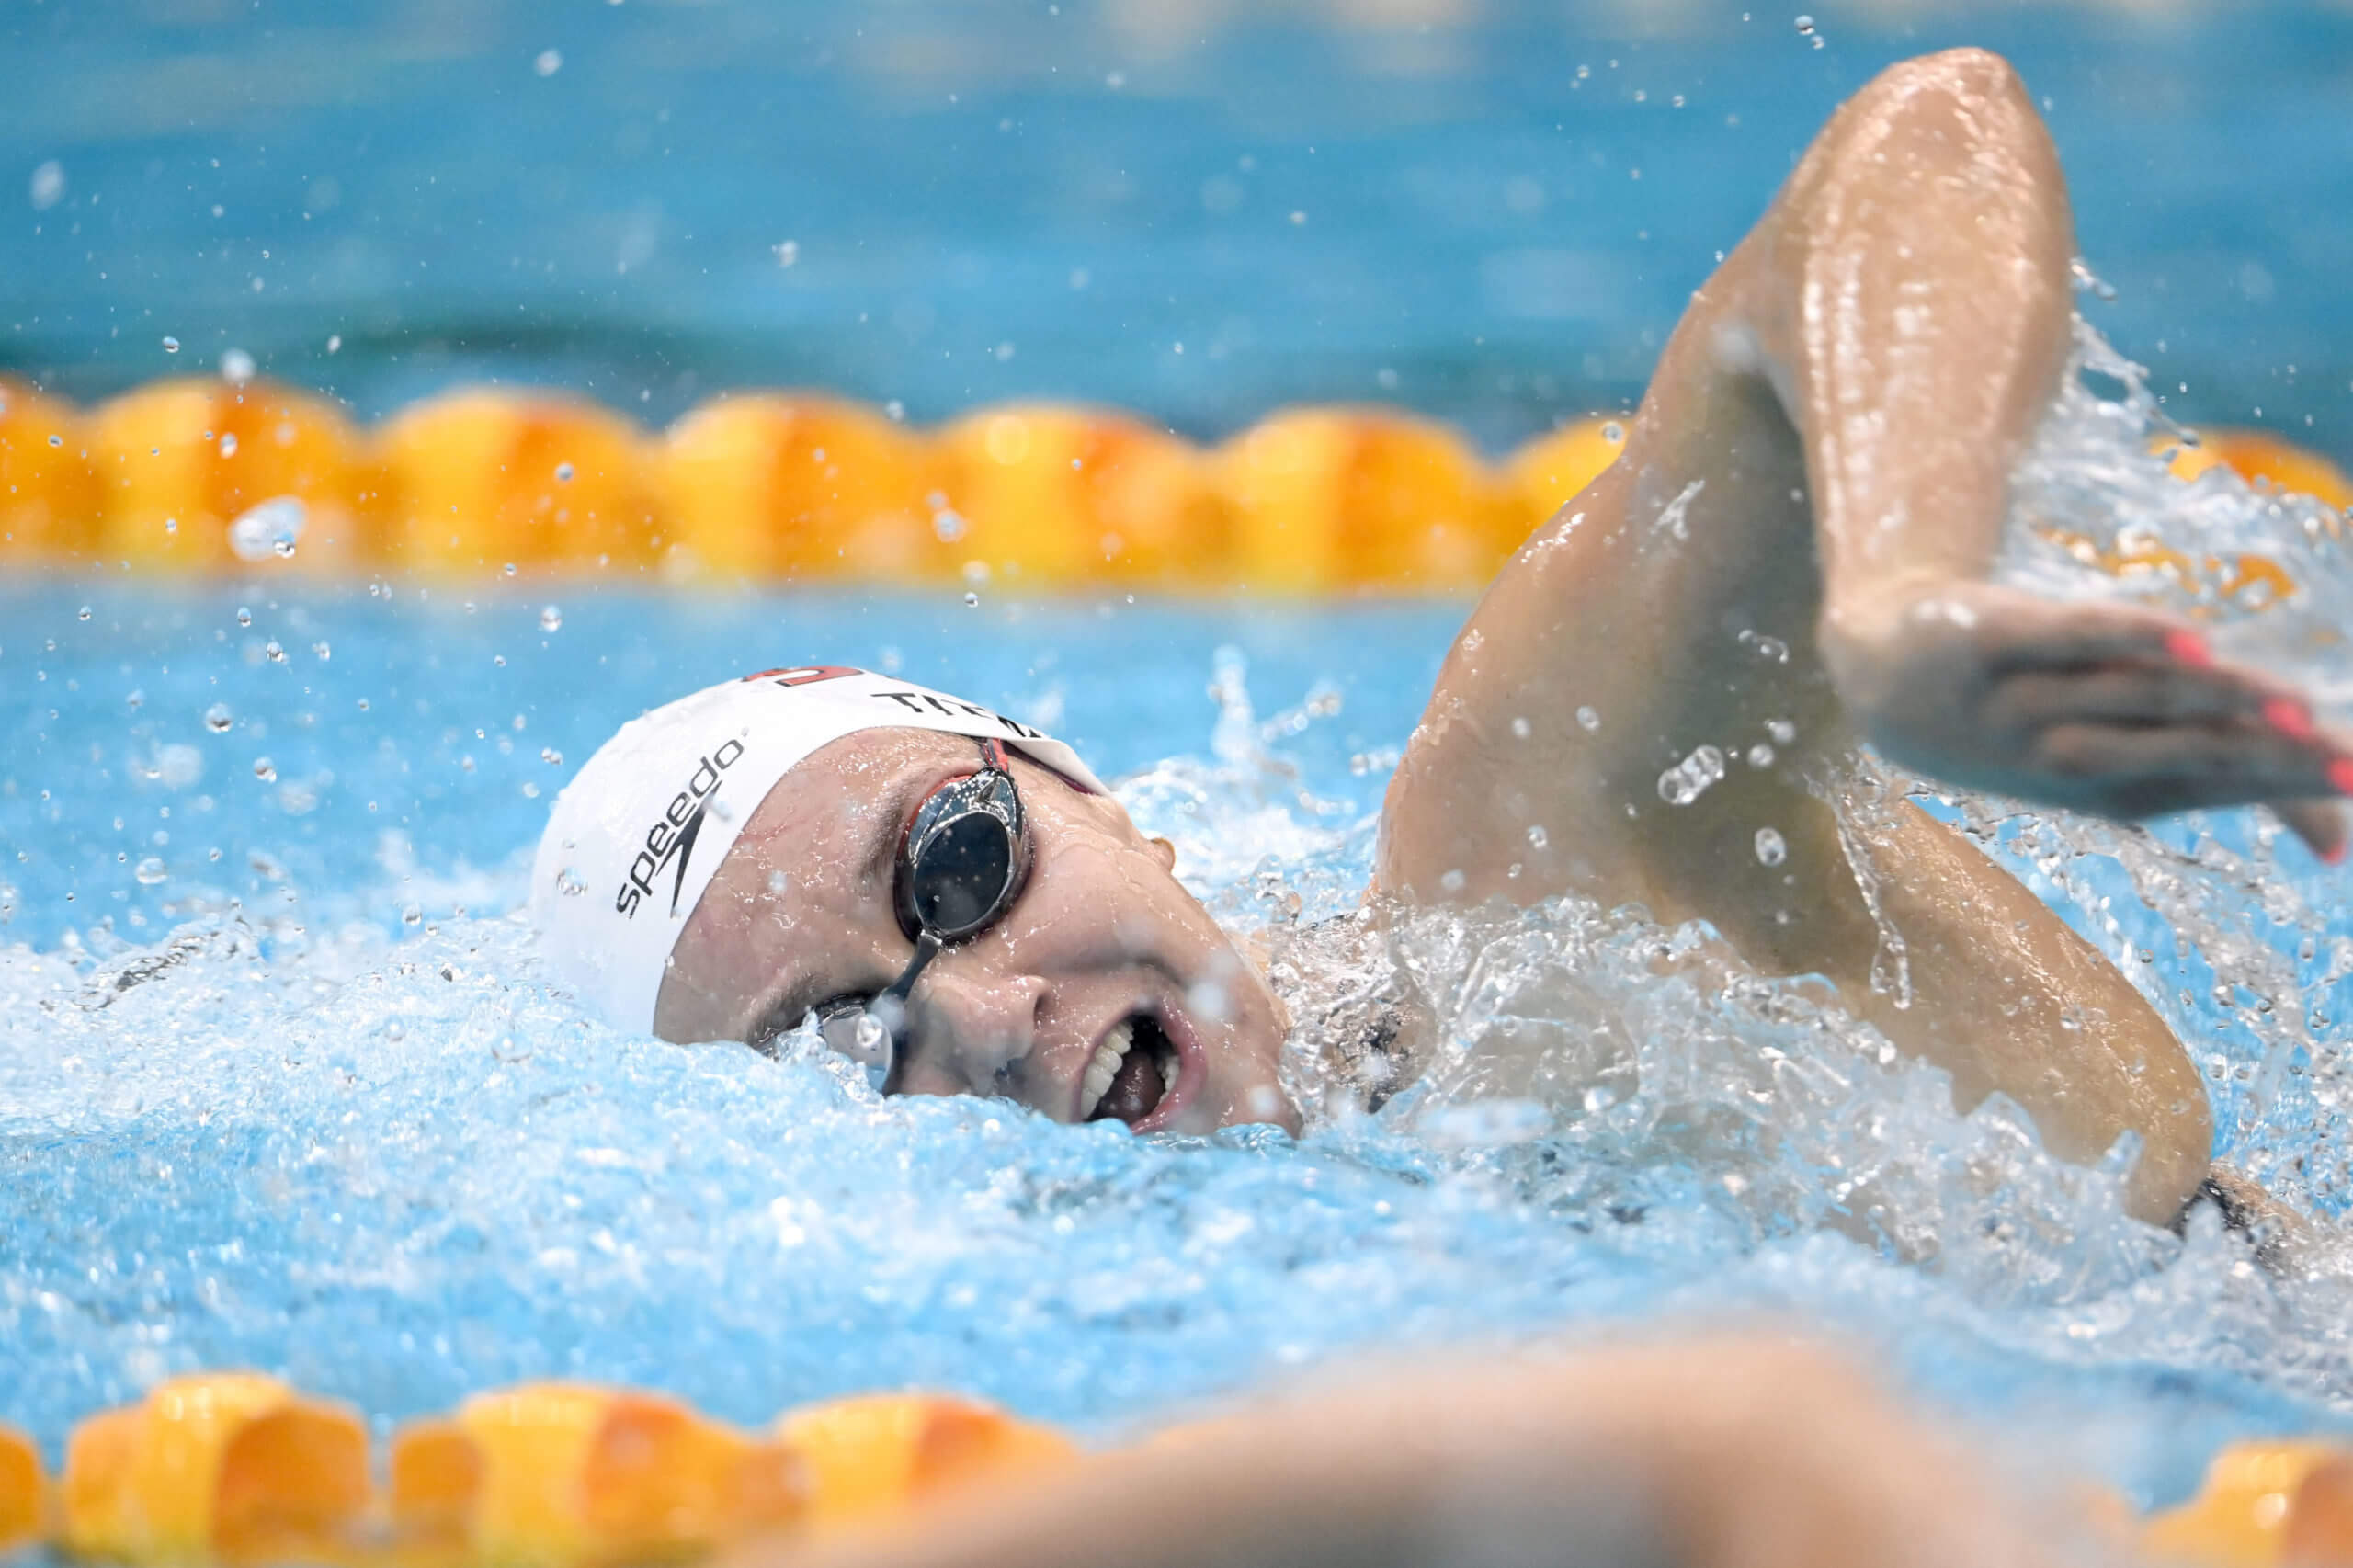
(970, 1028)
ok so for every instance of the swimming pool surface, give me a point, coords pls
(282, 1084)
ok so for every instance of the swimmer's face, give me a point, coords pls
(1103, 944)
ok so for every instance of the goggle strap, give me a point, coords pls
(927, 948)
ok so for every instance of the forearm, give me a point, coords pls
(1734, 1453)
(1915, 318)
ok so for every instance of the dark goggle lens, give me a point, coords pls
(963, 873)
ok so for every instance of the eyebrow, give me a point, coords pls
(794, 1000)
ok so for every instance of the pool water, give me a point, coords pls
(283, 1083)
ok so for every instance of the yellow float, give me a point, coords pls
(795, 486)
(881, 1454)
(229, 1468)
(24, 1492)
(2263, 1506)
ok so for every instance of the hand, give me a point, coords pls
(2108, 707)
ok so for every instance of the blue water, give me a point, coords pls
(310, 1105)
(992, 198)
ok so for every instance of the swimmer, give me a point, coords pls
(1792, 552)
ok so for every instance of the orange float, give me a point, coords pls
(24, 1493)
(568, 1473)
(878, 1454)
(2252, 1505)
(481, 480)
(1343, 498)
(48, 495)
(798, 486)
(202, 474)
(1056, 498)
(230, 1467)
(2258, 455)
(1548, 473)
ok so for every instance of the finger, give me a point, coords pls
(2146, 769)
(2038, 634)
(2131, 694)
(2322, 825)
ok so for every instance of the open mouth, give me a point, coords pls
(1132, 1072)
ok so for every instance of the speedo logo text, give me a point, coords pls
(673, 834)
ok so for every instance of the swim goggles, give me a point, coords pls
(962, 863)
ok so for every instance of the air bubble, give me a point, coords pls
(273, 650)
(236, 367)
(412, 916)
(85, 612)
(1537, 836)
(265, 770)
(1588, 721)
(150, 871)
(244, 615)
(229, 446)
(1760, 755)
(1690, 778)
(551, 618)
(1771, 849)
(949, 524)
(1520, 727)
(549, 62)
(1613, 433)
(563, 473)
(171, 346)
(551, 757)
(972, 600)
(218, 719)
(323, 652)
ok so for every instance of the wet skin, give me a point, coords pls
(802, 912)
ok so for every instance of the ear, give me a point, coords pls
(1167, 853)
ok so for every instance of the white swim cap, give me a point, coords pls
(639, 833)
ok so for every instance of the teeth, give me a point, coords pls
(1168, 1065)
(1104, 1067)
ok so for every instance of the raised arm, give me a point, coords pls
(1792, 552)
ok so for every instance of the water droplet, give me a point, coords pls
(1771, 851)
(551, 618)
(57, 440)
(551, 757)
(151, 871)
(229, 446)
(244, 615)
(218, 719)
(1760, 755)
(85, 612)
(1805, 26)
(510, 568)
(1588, 721)
(563, 473)
(273, 650)
(270, 528)
(1689, 779)
(265, 770)
(1452, 882)
(1520, 727)
(1613, 433)
(322, 651)
(1537, 836)
(412, 916)
(236, 367)
(972, 600)
(171, 346)
(549, 62)
(949, 524)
